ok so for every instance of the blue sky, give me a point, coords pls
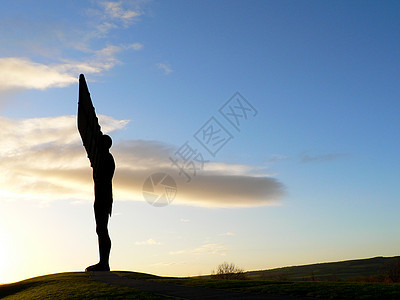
(312, 177)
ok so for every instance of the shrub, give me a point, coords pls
(228, 271)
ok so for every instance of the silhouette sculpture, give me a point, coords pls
(97, 146)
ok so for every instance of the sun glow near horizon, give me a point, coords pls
(5, 255)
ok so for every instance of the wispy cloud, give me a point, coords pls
(115, 11)
(170, 263)
(22, 72)
(165, 67)
(279, 158)
(228, 234)
(306, 158)
(205, 249)
(148, 242)
(136, 46)
(106, 16)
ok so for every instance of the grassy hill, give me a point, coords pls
(78, 285)
(73, 285)
(358, 269)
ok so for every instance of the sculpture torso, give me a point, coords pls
(102, 177)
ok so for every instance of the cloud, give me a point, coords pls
(136, 46)
(231, 191)
(148, 242)
(172, 263)
(228, 234)
(43, 159)
(279, 158)
(306, 158)
(115, 11)
(218, 185)
(18, 73)
(165, 67)
(111, 15)
(206, 249)
(21, 72)
(106, 16)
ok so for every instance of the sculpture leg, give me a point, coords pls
(101, 216)
(104, 240)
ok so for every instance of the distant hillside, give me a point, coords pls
(332, 271)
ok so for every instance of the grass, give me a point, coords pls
(323, 290)
(350, 270)
(74, 285)
(77, 285)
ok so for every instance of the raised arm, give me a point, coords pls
(88, 124)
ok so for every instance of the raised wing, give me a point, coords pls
(88, 124)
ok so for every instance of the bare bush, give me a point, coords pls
(228, 271)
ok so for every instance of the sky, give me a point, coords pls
(275, 122)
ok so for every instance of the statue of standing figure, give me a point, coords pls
(97, 146)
